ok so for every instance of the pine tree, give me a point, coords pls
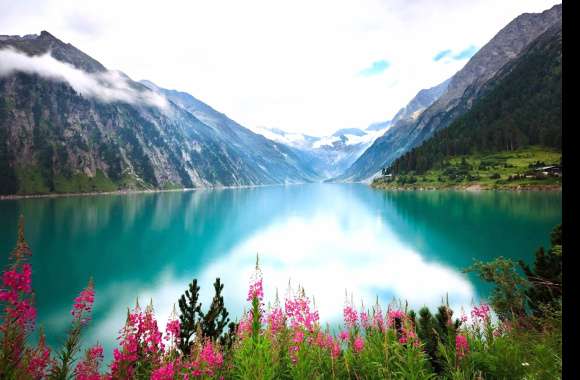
(210, 324)
(545, 277)
(216, 318)
(190, 315)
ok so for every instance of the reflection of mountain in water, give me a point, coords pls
(454, 227)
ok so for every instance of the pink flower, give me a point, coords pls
(298, 336)
(378, 320)
(172, 330)
(481, 313)
(461, 346)
(364, 319)
(40, 360)
(166, 372)
(343, 335)
(335, 349)
(350, 316)
(211, 356)
(16, 294)
(88, 368)
(358, 344)
(140, 339)
(245, 325)
(256, 290)
(394, 315)
(275, 320)
(299, 313)
(84, 304)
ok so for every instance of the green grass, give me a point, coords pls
(81, 183)
(30, 181)
(504, 164)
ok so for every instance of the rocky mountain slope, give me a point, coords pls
(462, 90)
(67, 124)
(520, 106)
(329, 155)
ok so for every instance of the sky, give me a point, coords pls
(302, 66)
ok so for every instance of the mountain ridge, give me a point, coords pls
(97, 134)
(502, 48)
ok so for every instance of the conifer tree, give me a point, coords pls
(189, 317)
(216, 318)
(545, 277)
(210, 324)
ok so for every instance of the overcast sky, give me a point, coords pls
(310, 66)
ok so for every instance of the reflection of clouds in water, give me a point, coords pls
(326, 250)
(325, 257)
(117, 298)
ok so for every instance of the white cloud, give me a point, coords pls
(292, 65)
(109, 86)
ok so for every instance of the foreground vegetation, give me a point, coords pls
(520, 169)
(517, 336)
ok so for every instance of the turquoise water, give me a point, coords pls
(327, 237)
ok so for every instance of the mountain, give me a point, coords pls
(329, 155)
(383, 125)
(420, 103)
(349, 131)
(519, 107)
(461, 92)
(68, 124)
(258, 146)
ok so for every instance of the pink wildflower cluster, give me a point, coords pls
(461, 346)
(165, 372)
(256, 289)
(40, 360)
(245, 325)
(83, 304)
(378, 318)
(350, 316)
(204, 362)
(211, 357)
(276, 320)
(88, 368)
(172, 330)
(394, 316)
(139, 335)
(299, 313)
(358, 344)
(16, 295)
(480, 313)
(364, 319)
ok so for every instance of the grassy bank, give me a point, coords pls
(515, 170)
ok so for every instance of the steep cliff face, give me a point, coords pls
(68, 124)
(463, 89)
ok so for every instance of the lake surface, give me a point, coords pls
(326, 237)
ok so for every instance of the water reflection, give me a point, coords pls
(328, 238)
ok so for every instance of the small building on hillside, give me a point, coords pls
(551, 170)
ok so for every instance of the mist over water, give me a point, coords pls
(326, 237)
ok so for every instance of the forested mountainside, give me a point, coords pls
(67, 124)
(463, 89)
(519, 107)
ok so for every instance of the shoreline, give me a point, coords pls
(471, 188)
(10, 197)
